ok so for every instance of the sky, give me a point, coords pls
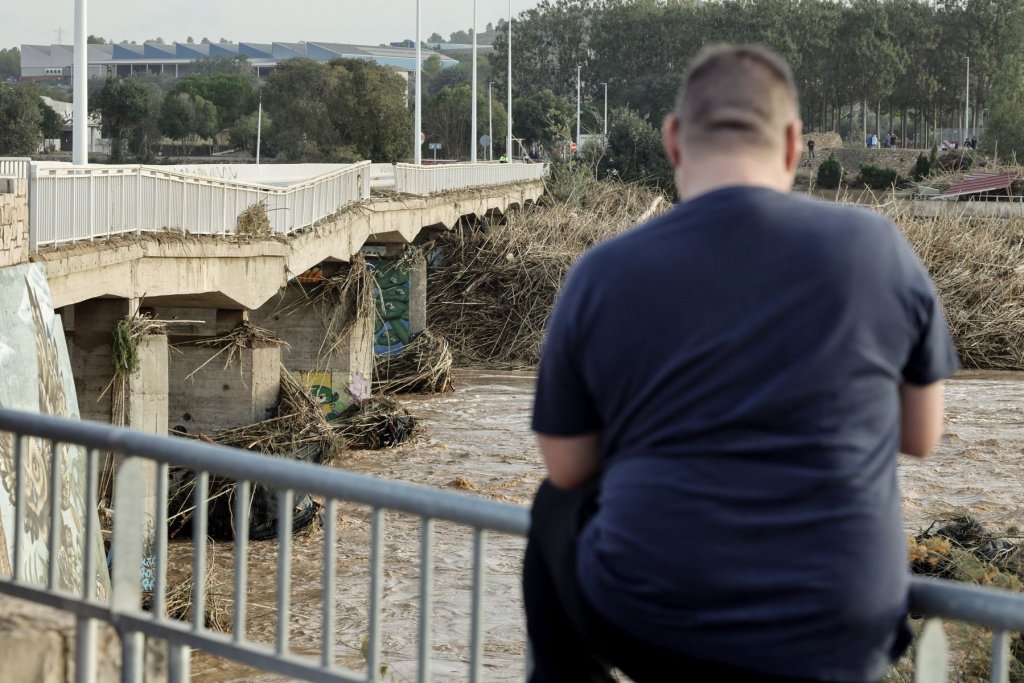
(365, 22)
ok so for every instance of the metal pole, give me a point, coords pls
(508, 140)
(418, 126)
(605, 112)
(473, 143)
(490, 120)
(80, 112)
(967, 103)
(259, 129)
(579, 73)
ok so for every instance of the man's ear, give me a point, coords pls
(794, 145)
(670, 139)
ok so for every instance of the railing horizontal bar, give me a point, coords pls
(280, 472)
(996, 610)
(65, 602)
(249, 653)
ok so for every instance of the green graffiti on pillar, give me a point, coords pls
(391, 299)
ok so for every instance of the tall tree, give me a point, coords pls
(129, 113)
(20, 118)
(10, 64)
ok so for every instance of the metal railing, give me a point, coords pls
(147, 457)
(425, 180)
(69, 204)
(15, 167)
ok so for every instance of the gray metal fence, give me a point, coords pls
(145, 456)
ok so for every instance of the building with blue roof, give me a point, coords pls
(55, 62)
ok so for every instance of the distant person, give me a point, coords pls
(893, 140)
(974, 143)
(722, 501)
(810, 148)
(874, 141)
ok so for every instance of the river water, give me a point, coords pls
(477, 441)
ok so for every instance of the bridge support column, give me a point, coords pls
(227, 384)
(328, 334)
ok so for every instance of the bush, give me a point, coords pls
(922, 168)
(878, 178)
(830, 173)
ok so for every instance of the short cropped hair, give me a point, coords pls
(736, 97)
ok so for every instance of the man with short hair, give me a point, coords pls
(720, 401)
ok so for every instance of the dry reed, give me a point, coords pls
(253, 223)
(492, 292)
(422, 366)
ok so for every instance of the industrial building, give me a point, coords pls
(54, 63)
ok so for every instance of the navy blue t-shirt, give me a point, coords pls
(742, 356)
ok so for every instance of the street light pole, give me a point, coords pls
(508, 140)
(967, 103)
(418, 124)
(80, 111)
(490, 121)
(579, 72)
(473, 143)
(605, 112)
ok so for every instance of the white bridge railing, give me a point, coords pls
(424, 180)
(14, 167)
(70, 204)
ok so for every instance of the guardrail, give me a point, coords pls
(425, 180)
(16, 167)
(1000, 611)
(147, 453)
(69, 204)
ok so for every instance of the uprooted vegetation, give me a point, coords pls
(495, 285)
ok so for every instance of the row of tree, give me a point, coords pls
(906, 58)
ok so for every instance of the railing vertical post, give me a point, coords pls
(85, 650)
(426, 598)
(241, 533)
(330, 526)
(476, 625)
(376, 591)
(21, 446)
(285, 502)
(1000, 657)
(126, 574)
(33, 207)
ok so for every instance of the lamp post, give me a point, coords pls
(605, 112)
(490, 121)
(967, 104)
(473, 143)
(418, 123)
(80, 112)
(508, 140)
(579, 72)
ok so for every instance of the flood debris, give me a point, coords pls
(492, 286)
(959, 548)
(423, 366)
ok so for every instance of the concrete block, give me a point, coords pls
(418, 296)
(37, 645)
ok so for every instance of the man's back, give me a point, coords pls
(742, 357)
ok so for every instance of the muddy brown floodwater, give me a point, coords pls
(477, 441)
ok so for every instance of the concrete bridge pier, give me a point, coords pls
(325, 318)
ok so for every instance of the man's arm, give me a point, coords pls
(571, 460)
(921, 418)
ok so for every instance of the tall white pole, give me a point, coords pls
(80, 111)
(605, 112)
(967, 103)
(259, 129)
(508, 140)
(418, 124)
(473, 143)
(579, 73)
(490, 121)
